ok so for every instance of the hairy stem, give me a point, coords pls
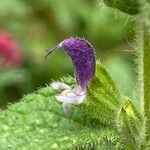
(145, 18)
(146, 68)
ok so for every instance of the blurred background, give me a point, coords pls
(28, 27)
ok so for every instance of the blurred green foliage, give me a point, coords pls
(41, 24)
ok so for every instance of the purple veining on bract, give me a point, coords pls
(82, 55)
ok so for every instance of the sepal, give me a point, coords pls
(132, 122)
(103, 98)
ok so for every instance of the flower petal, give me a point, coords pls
(60, 86)
(82, 55)
(79, 90)
(70, 98)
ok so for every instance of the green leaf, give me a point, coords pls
(38, 122)
(131, 7)
(104, 121)
(103, 98)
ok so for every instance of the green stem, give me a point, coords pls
(146, 65)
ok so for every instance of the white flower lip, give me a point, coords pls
(69, 95)
(60, 86)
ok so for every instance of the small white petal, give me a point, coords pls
(70, 98)
(60, 86)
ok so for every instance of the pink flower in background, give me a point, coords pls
(10, 52)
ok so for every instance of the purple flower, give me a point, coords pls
(82, 54)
